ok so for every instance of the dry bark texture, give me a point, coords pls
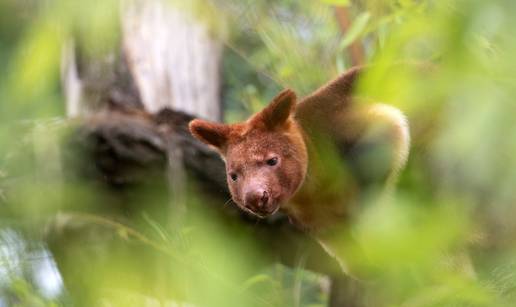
(174, 59)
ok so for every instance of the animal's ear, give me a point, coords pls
(213, 134)
(278, 111)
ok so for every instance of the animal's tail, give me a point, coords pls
(396, 121)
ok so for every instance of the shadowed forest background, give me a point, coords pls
(106, 200)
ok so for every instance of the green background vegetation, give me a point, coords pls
(446, 239)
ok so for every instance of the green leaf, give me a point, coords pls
(340, 63)
(356, 29)
(260, 278)
(336, 2)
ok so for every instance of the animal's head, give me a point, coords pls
(266, 157)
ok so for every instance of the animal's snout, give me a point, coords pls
(258, 201)
(265, 198)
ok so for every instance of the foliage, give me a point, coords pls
(447, 238)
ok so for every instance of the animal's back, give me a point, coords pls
(323, 104)
(356, 147)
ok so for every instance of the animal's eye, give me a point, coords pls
(233, 176)
(272, 161)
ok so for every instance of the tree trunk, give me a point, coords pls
(173, 59)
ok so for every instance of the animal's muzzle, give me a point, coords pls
(259, 202)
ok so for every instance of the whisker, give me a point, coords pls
(227, 202)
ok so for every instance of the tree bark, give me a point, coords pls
(174, 59)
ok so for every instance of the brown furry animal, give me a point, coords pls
(314, 160)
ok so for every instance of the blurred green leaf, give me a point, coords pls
(336, 2)
(356, 29)
(421, 246)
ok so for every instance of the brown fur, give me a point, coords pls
(272, 133)
(319, 144)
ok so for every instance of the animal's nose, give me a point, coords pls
(265, 198)
(256, 200)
